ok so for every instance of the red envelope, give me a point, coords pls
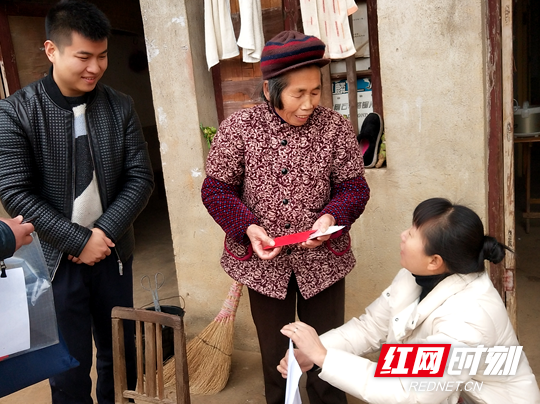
(291, 239)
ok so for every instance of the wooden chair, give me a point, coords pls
(150, 386)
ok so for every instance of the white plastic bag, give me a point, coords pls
(39, 296)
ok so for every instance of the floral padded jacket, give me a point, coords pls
(261, 170)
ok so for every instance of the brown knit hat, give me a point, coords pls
(289, 50)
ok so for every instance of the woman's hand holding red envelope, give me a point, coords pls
(322, 224)
(260, 239)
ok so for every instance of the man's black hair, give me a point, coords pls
(79, 16)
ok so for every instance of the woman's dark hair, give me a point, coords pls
(79, 16)
(276, 85)
(456, 233)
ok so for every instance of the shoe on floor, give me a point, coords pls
(370, 137)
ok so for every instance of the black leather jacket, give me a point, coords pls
(37, 161)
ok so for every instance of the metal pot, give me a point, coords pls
(527, 120)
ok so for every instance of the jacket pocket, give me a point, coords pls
(340, 245)
(236, 250)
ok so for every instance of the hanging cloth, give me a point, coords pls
(328, 20)
(251, 38)
(218, 31)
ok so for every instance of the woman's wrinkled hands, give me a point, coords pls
(260, 239)
(322, 224)
(310, 349)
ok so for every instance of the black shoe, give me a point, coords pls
(370, 137)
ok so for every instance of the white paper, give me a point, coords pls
(292, 391)
(14, 318)
(331, 229)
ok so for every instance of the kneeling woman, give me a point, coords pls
(442, 295)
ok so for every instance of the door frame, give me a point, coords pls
(500, 161)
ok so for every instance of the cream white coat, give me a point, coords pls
(464, 310)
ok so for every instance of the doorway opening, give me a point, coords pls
(526, 89)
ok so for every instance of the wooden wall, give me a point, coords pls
(28, 36)
(240, 83)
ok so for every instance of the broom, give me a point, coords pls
(209, 353)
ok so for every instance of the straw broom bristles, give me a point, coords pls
(209, 353)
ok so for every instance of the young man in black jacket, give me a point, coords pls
(72, 152)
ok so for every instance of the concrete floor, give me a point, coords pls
(154, 253)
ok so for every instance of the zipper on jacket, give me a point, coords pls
(101, 188)
(73, 168)
(3, 269)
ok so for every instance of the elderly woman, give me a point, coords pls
(286, 166)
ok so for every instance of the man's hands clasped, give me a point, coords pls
(96, 249)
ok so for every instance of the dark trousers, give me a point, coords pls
(84, 297)
(323, 312)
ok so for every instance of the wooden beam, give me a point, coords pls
(350, 62)
(495, 155)
(360, 74)
(216, 78)
(373, 29)
(7, 55)
(292, 15)
(326, 93)
(507, 63)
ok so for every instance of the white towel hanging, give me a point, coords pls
(330, 25)
(220, 41)
(251, 37)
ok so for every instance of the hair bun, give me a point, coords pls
(493, 251)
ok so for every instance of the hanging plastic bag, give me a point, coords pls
(27, 269)
(47, 353)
